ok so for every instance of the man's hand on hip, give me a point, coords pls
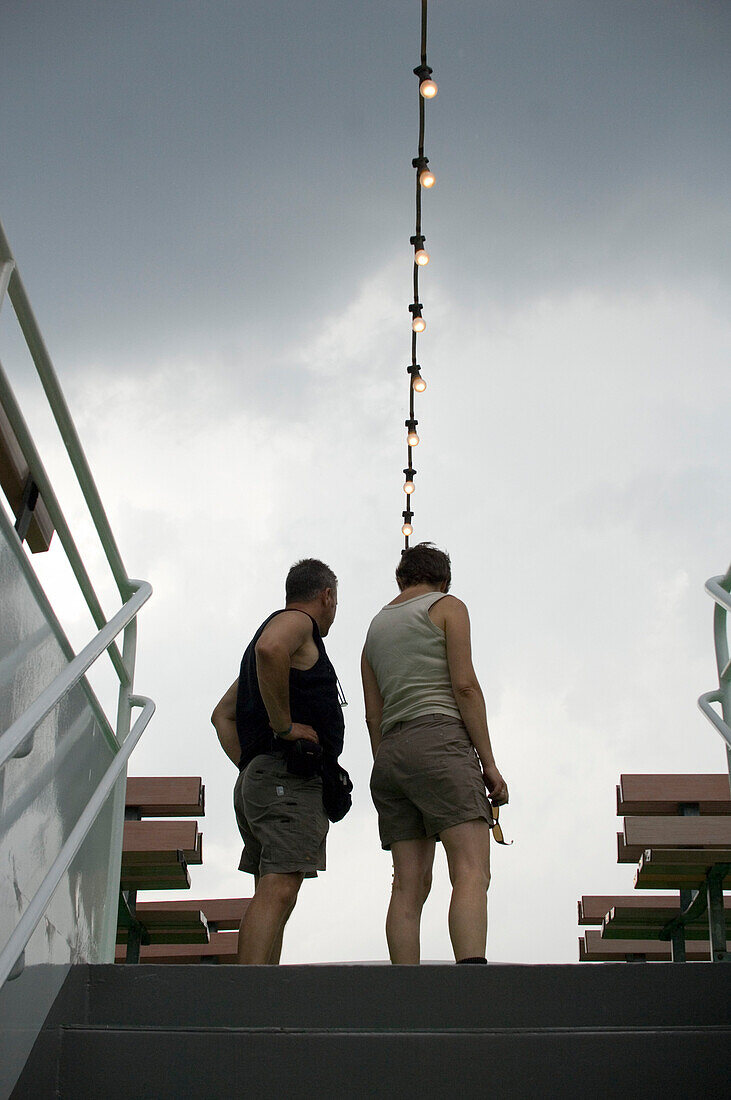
(300, 732)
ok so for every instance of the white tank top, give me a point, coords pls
(408, 654)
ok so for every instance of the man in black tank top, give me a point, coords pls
(281, 723)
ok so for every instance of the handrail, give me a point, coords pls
(62, 416)
(38, 593)
(39, 475)
(6, 270)
(12, 953)
(23, 726)
(133, 593)
(719, 589)
(713, 716)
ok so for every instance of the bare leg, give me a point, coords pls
(263, 922)
(468, 855)
(276, 952)
(412, 864)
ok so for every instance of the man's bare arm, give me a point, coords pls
(468, 693)
(280, 639)
(224, 721)
(373, 702)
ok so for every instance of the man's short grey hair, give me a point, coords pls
(307, 578)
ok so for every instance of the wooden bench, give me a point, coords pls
(593, 908)
(163, 926)
(165, 796)
(222, 948)
(33, 521)
(679, 829)
(156, 854)
(669, 795)
(641, 833)
(222, 917)
(594, 948)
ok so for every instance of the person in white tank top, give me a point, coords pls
(433, 761)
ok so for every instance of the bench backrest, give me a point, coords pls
(667, 795)
(166, 796)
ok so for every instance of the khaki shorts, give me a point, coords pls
(426, 778)
(280, 818)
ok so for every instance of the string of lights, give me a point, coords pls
(424, 180)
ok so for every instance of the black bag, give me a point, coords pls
(336, 788)
(304, 758)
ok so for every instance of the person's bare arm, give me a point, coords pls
(278, 642)
(224, 721)
(373, 702)
(468, 693)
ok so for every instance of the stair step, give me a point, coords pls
(169, 1064)
(152, 1032)
(426, 997)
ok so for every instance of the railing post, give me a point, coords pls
(124, 717)
(716, 913)
(719, 589)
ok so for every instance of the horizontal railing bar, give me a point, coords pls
(66, 426)
(25, 928)
(715, 589)
(57, 630)
(705, 704)
(38, 471)
(23, 726)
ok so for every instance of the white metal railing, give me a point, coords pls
(719, 588)
(15, 741)
(16, 734)
(12, 955)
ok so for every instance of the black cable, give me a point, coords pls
(423, 72)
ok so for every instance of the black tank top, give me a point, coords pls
(313, 701)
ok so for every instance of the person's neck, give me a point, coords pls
(415, 590)
(313, 610)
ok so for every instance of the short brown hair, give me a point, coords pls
(423, 564)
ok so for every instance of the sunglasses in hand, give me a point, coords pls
(497, 831)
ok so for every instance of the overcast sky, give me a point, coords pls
(211, 202)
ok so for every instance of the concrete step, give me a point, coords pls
(342, 1031)
(205, 1064)
(401, 997)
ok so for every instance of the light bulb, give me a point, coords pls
(426, 178)
(412, 439)
(407, 530)
(419, 383)
(428, 89)
(409, 488)
(421, 257)
(418, 324)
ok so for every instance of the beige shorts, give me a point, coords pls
(426, 778)
(280, 818)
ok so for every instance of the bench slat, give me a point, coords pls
(154, 871)
(224, 913)
(627, 923)
(594, 908)
(592, 948)
(677, 868)
(166, 926)
(166, 795)
(164, 836)
(641, 833)
(663, 794)
(222, 945)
